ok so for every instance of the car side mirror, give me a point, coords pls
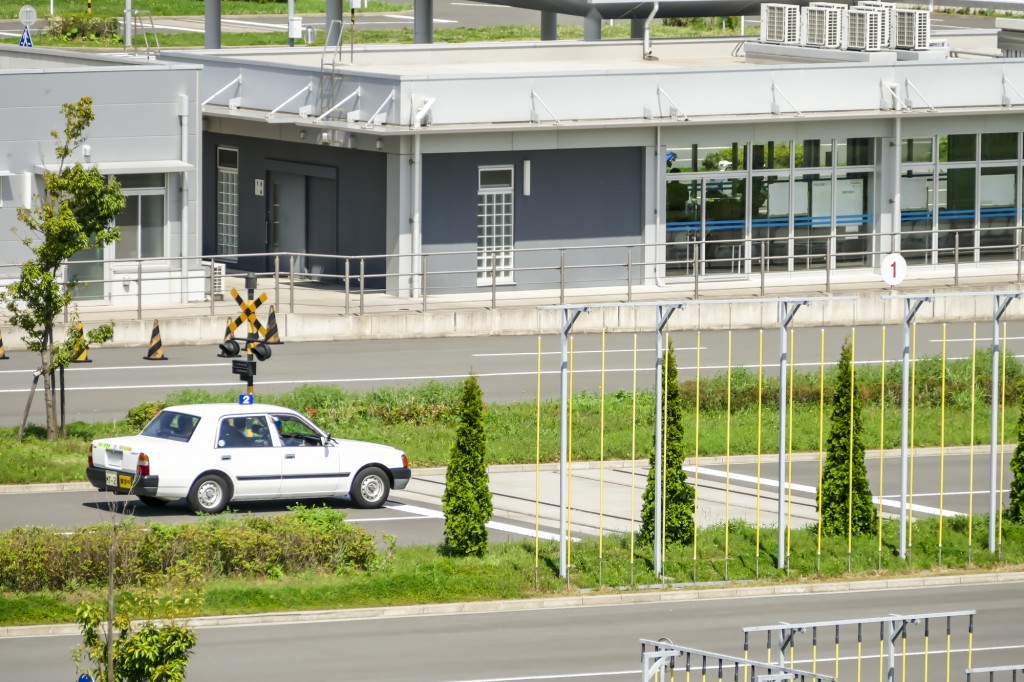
(326, 440)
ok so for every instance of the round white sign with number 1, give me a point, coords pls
(894, 269)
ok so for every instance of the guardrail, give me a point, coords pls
(692, 259)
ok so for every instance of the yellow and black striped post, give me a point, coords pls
(228, 336)
(272, 335)
(156, 348)
(80, 350)
(3, 353)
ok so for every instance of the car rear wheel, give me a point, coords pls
(152, 501)
(370, 489)
(209, 494)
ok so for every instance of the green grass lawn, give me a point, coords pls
(165, 8)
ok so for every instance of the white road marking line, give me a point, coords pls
(493, 525)
(799, 487)
(258, 24)
(563, 676)
(579, 352)
(980, 338)
(481, 4)
(179, 29)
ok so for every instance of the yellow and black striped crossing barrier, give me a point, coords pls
(156, 347)
(80, 349)
(272, 336)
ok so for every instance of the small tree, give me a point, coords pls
(679, 497)
(833, 497)
(467, 498)
(74, 213)
(1015, 512)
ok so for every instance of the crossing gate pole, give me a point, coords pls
(999, 305)
(569, 317)
(787, 309)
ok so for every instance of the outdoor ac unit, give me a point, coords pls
(825, 25)
(888, 11)
(217, 280)
(913, 29)
(865, 31)
(780, 24)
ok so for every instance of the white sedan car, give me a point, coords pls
(213, 454)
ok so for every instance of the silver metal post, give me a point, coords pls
(569, 318)
(494, 283)
(362, 286)
(213, 265)
(787, 309)
(423, 280)
(1018, 254)
(291, 284)
(348, 288)
(629, 274)
(561, 276)
(762, 267)
(828, 265)
(658, 453)
(999, 305)
(956, 258)
(138, 283)
(696, 272)
(910, 308)
(277, 280)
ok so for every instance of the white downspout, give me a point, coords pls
(183, 179)
(416, 163)
(647, 33)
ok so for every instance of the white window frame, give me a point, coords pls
(226, 234)
(495, 229)
(141, 192)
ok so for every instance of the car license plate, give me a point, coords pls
(124, 481)
(111, 478)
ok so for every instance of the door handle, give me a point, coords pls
(225, 457)
(290, 456)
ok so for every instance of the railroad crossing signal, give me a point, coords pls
(248, 312)
(255, 349)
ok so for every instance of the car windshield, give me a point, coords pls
(172, 426)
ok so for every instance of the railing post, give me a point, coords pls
(494, 282)
(291, 283)
(423, 280)
(696, 272)
(138, 283)
(561, 276)
(362, 286)
(629, 274)
(763, 262)
(348, 287)
(277, 280)
(1018, 254)
(213, 269)
(956, 258)
(828, 265)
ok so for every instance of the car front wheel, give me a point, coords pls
(370, 489)
(209, 494)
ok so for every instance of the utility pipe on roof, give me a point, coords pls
(647, 33)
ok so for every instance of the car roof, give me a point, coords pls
(214, 410)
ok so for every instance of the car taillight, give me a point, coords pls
(90, 454)
(405, 461)
(142, 468)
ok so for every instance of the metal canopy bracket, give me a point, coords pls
(910, 86)
(379, 117)
(776, 110)
(674, 110)
(282, 105)
(352, 95)
(1006, 97)
(235, 81)
(422, 115)
(534, 116)
(897, 103)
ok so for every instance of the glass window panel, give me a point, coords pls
(769, 225)
(227, 210)
(917, 203)
(855, 151)
(500, 178)
(227, 158)
(128, 223)
(955, 202)
(725, 209)
(997, 195)
(854, 219)
(812, 221)
(916, 150)
(771, 154)
(711, 157)
(998, 146)
(142, 180)
(88, 275)
(958, 147)
(152, 226)
(683, 201)
(814, 154)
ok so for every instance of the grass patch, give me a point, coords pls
(425, 574)
(164, 8)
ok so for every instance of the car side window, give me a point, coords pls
(244, 432)
(294, 431)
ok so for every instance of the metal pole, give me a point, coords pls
(696, 272)
(348, 288)
(910, 308)
(423, 280)
(787, 309)
(494, 282)
(1018, 254)
(563, 449)
(828, 266)
(999, 304)
(956, 258)
(561, 276)
(362, 286)
(250, 337)
(212, 267)
(277, 280)
(291, 284)
(658, 397)
(629, 274)
(138, 283)
(762, 267)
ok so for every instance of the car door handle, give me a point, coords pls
(224, 457)
(290, 456)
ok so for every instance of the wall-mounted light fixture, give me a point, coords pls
(87, 151)
(380, 143)
(302, 134)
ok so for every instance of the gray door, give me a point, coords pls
(287, 221)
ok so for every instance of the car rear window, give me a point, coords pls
(172, 426)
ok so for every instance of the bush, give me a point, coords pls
(467, 498)
(140, 415)
(78, 27)
(311, 539)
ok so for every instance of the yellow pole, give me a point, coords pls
(536, 507)
(821, 434)
(970, 486)
(789, 448)
(728, 444)
(949, 643)
(837, 653)
(632, 477)
(849, 489)
(568, 513)
(1002, 444)
(860, 645)
(942, 439)
(814, 649)
(600, 494)
(696, 460)
(760, 380)
(913, 410)
(903, 657)
(881, 451)
(925, 649)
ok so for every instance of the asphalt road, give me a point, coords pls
(118, 378)
(598, 643)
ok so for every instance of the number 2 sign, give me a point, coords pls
(894, 269)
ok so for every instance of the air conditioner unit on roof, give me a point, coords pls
(913, 29)
(780, 24)
(865, 30)
(825, 25)
(888, 11)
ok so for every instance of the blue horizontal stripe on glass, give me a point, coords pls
(966, 213)
(999, 211)
(916, 215)
(854, 218)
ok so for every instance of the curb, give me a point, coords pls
(657, 594)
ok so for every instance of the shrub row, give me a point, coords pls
(310, 539)
(78, 27)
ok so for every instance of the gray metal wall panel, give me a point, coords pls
(585, 196)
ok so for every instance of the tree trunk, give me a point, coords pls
(46, 355)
